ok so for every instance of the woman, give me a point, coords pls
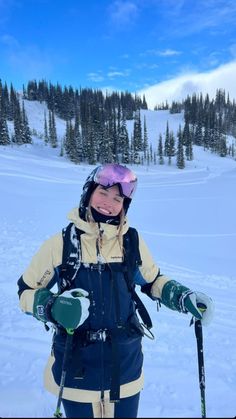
(94, 306)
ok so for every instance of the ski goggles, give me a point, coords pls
(115, 174)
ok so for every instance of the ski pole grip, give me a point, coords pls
(77, 294)
(201, 307)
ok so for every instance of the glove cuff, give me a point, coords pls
(48, 308)
(43, 301)
(182, 299)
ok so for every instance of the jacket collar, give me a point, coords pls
(108, 230)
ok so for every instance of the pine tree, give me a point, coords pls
(144, 104)
(189, 148)
(186, 133)
(78, 140)
(151, 153)
(171, 151)
(91, 141)
(46, 137)
(198, 136)
(18, 124)
(26, 135)
(13, 100)
(145, 137)
(124, 141)
(222, 145)
(167, 140)
(180, 150)
(106, 154)
(206, 136)
(137, 133)
(52, 130)
(4, 134)
(160, 150)
(71, 143)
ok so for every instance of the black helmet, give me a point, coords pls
(108, 175)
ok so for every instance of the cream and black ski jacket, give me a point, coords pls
(90, 370)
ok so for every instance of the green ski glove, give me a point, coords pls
(70, 309)
(178, 297)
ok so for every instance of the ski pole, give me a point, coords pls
(69, 339)
(201, 370)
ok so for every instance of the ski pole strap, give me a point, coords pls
(142, 310)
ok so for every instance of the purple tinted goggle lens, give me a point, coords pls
(113, 174)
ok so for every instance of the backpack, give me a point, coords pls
(71, 260)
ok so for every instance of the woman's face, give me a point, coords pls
(107, 201)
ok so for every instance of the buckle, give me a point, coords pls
(97, 336)
(97, 266)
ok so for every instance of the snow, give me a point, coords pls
(187, 218)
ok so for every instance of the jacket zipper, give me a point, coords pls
(100, 261)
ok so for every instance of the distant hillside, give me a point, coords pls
(87, 126)
(156, 121)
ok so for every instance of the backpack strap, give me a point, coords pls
(71, 256)
(132, 260)
(71, 262)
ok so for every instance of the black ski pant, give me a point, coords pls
(125, 408)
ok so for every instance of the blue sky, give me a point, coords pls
(129, 45)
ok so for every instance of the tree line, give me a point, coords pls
(96, 129)
(11, 109)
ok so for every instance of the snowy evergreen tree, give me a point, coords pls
(171, 150)
(4, 134)
(167, 140)
(145, 137)
(198, 135)
(189, 148)
(78, 141)
(18, 123)
(26, 135)
(160, 150)
(52, 130)
(137, 133)
(106, 154)
(180, 150)
(71, 145)
(46, 136)
(186, 134)
(124, 141)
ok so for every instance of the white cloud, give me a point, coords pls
(113, 74)
(9, 40)
(179, 87)
(96, 77)
(169, 52)
(165, 53)
(123, 12)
